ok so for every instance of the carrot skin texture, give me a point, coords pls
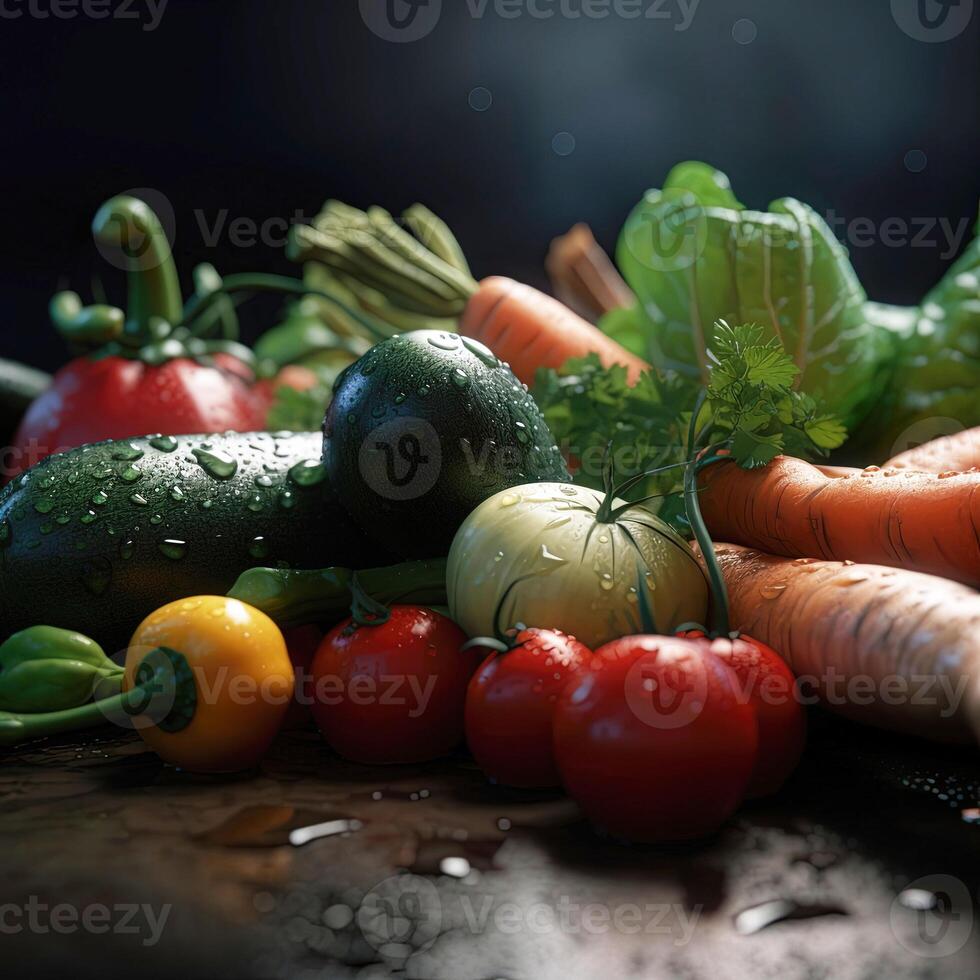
(922, 521)
(895, 649)
(531, 330)
(956, 452)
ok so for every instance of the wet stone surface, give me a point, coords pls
(867, 865)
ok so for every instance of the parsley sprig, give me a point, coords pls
(749, 407)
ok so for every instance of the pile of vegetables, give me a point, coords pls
(426, 568)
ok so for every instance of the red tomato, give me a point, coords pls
(652, 741)
(768, 685)
(302, 643)
(393, 692)
(510, 703)
(117, 398)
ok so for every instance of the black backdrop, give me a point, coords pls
(254, 109)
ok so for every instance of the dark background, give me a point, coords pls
(257, 109)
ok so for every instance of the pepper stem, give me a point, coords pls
(130, 225)
(17, 728)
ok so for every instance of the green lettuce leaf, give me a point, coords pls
(934, 387)
(694, 255)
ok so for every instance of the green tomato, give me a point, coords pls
(539, 555)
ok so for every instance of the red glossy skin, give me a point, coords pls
(767, 683)
(652, 741)
(510, 704)
(116, 398)
(394, 692)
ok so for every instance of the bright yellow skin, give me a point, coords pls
(243, 676)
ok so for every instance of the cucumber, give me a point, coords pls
(422, 429)
(97, 538)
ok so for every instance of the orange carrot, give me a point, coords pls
(922, 521)
(956, 452)
(529, 330)
(896, 649)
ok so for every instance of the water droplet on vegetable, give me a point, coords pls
(131, 474)
(128, 452)
(165, 444)
(219, 465)
(509, 499)
(308, 473)
(254, 503)
(773, 591)
(444, 341)
(126, 549)
(100, 498)
(156, 519)
(138, 499)
(287, 500)
(88, 517)
(258, 548)
(6, 533)
(173, 548)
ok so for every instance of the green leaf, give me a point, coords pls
(826, 432)
(782, 270)
(751, 450)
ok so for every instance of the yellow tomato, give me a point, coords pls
(233, 680)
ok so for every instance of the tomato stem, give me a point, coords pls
(364, 610)
(129, 224)
(267, 283)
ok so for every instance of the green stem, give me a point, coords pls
(259, 282)
(720, 620)
(129, 224)
(17, 728)
(297, 598)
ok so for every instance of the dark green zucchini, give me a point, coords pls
(422, 429)
(97, 538)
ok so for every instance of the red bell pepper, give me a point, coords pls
(143, 371)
